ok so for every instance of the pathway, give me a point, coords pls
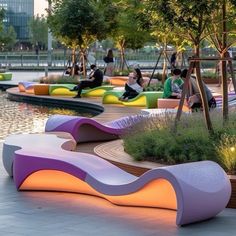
(51, 213)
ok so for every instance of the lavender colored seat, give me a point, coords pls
(198, 191)
(85, 129)
(26, 85)
(231, 100)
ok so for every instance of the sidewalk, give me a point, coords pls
(53, 213)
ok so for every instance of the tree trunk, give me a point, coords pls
(164, 65)
(73, 61)
(84, 62)
(122, 55)
(184, 93)
(224, 66)
(202, 92)
(224, 88)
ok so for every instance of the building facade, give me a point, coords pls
(18, 14)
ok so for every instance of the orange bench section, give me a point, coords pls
(122, 80)
(41, 89)
(169, 103)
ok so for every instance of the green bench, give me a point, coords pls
(96, 92)
(5, 76)
(64, 90)
(144, 99)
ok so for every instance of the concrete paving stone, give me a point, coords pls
(52, 213)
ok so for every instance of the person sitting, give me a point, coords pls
(68, 70)
(134, 86)
(194, 99)
(95, 79)
(173, 85)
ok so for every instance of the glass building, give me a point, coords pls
(18, 14)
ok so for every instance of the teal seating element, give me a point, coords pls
(145, 99)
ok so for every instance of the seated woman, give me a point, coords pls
(194, 99)
(173, 85)
(134, 86)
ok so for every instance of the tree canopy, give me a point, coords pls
(77, 23)
(38, 31)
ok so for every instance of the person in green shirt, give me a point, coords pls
(173, 85)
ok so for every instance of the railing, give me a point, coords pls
(60, 59)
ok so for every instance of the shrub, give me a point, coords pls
(57, 79)
(122, 73)
(154, 139)
(227, 152)
(155, 87)
(209, 74)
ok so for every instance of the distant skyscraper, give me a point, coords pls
(18, 14)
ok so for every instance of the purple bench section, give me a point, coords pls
(86, 129)
(198, 191)
(26, 85)
(231, 100)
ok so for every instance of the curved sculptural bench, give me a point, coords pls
(169, 103)
(96, 92)
(26, 85)
(144, 99)
(5, 76)
(231, 100)
(85, 129)
(41, 89)
(198, 191)
(122, 80)
(64, 90)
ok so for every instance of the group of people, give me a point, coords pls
(133, 87)
(135, 84)
(173, 89)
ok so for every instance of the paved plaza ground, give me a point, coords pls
(53, 213)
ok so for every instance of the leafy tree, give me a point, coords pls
(8, 38)
(190, 18)
(162, 32)
(8, 35)
(221, 33)
(127, 33)
(2, 14)
(107, 43)
(79, 23)
(38, 31)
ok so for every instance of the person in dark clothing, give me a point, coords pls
(173, 60)
(134, 86)
(109, 60)
(95, 79)
(109, 57)
(194, 100)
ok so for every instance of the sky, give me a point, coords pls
(39, 7)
